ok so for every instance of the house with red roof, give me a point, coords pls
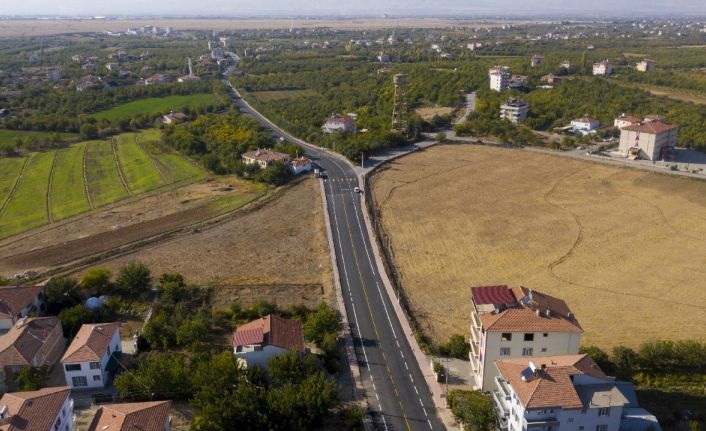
(92, 355)
(514, 323)
(18, 302)
(264, 157)
(145, 416)
(45, 409)
(565, 393)
(256, 342)
(650, 139)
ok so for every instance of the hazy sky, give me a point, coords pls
(244, 7)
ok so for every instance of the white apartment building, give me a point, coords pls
(585, 124)
(625, 120)
(604, 68)
(89, 360)
(565, 393)
(537, 60)
(499, 78)
(514, 110)
(45, 409)
(649, 139)
(646, 65)
(517, 322)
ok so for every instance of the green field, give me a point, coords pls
(27, 208)
(144, 164)
(13, 135)
(140, 173)
(155, 105)
(68, 192)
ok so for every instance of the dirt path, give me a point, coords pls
(154, 160)
(120, 168)
(85, 178)
(47, 199)
(14, 187)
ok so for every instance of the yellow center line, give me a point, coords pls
(370, 312)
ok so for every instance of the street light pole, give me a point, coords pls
(362, 160)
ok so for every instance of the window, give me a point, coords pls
(72, 367)
(95, 365)
(97, 378)
(79, 381)
(544, 350)
(583, 411)
(527, 351)
(580, 427)
(571, 420)
(504, 351)
(602, 427)
(604, 411)
(63, 412)
(506, 336)
(545, 335)
(529, 337)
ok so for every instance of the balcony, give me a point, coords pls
(502, 386)
(475, 334)
(543, 424)
(502, 404)
(475, 349)
(475, 319)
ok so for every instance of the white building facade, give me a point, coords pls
(517, 322)
(604, 68)
(650, 140)
(86, 361)
(514, 110)
(499, 78)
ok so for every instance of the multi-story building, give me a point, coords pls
(514, 110)
(90, 358)
(499, 78)
(565, 393)
(651, 139)
(625, 120)
(537, 60)
(517, 322)
(339, 123)
(45, 409)
(604, 68)
(646, 65)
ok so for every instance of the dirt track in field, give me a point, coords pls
(625, 248)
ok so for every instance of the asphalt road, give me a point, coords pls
(397, 393)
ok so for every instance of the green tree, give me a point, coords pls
(193, 332)
(158, 376)
(301, 406)
(473, 409)
(456, 347)
(134, 279)
(292, 368)
(31, 379)
(73, 317)
(323, 321)
(97, 281)
(60, 293)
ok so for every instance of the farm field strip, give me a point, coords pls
(102, 174)
(140, 173)
(155, 105)
(175, 167)
(11, 169)
(68, 191)
(13, 135)
(24, 210)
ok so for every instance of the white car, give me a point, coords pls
(356, 189)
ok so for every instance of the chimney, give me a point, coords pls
(570, 315)
(538, 312)
(548, 312)
(544, 367)
(4, 412)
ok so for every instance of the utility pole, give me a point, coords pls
(362, 160)
(447, 381)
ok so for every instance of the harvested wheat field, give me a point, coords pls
(281, 246)
(625, 248)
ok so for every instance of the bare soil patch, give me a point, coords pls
(278, 252)
(429, 113)
(625, 248)
(121, 224)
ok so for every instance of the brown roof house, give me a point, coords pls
(146, 416)
(651, 139)
(559, 392)
(32, 342)
(265, 157)
(256, 342)
(517, 322)
(42, 410)
(92, 356)
(18, 302)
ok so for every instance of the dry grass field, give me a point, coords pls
(428, 113)
(625, 248)
(278, 252)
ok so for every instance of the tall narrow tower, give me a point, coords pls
(191, 68)
(399, 107)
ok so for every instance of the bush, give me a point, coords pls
(134, 280)
(31, 379)
(322, 322)
(440, 372)
(61, 293)
(456, 347)
(441, 137)
(97, 281)
(473, 409)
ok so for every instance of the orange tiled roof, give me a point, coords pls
(552, 386)
(90, 343)
(146, 416)
(22, 341)
(14, 299)
(265, 155)
(271, 330)
(652, 127)
(34, 410)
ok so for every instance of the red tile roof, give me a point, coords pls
(300, 161)
(90, 343)
(146, 416)
(271, 330)
(23, 340)
(265, 155)
(15, 299)
(34, 410)
(493, 295)
(653, 127)
(552, 386)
